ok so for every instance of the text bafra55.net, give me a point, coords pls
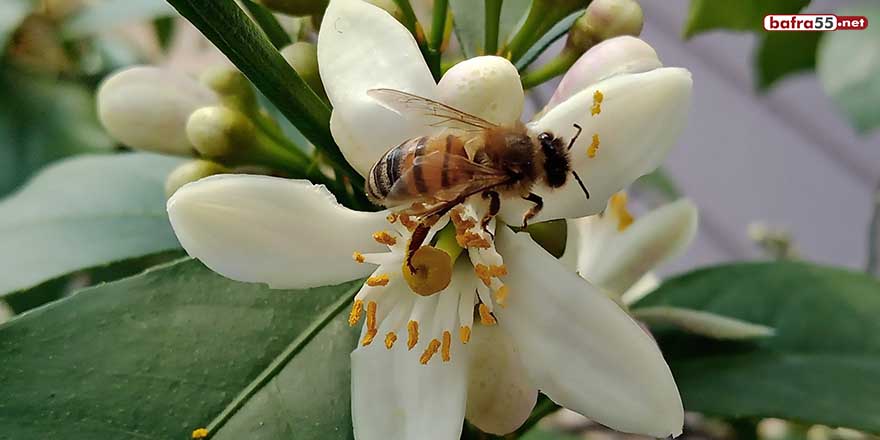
(814, 22)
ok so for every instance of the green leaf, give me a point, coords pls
(109, 14)
(741, 15)
(784, 53)
(542, 434)
(41, 120)
(469, 22)
(12, 13)
(849, 69)
(267, 22)
(81, 213)
(160, 354)
(558, 31)
(821, 367)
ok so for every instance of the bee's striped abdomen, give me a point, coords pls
(419, 179)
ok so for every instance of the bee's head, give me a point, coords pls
(556, 161)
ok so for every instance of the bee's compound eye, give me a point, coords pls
(545, 136)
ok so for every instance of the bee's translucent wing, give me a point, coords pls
(444, 115)
(481, 177)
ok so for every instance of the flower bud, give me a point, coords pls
(605, 19)
(147, 108)
(190, 172)
(303, 57)
(220, 132)
(234, 89)
(611, 57)
(296, 7)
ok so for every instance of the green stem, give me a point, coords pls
(435, 42)
(555, 67)
(543, 408)
(493, 18)
(267, 22)
(542, 16)
(409, 17)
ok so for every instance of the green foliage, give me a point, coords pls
(81, 213)
(469, 22)
(41, 120)
(821, 366)
(849, 69)
(541, 434)
(740, 15)
(178, 348)
(784, 53)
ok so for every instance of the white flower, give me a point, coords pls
(616, 252)
(147, 108)
(423, 363)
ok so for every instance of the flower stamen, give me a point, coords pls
(464, 333)
(412, 329)
(430, 351)
(594, 147)
(618, 206)
(597, 103)
(357, 309)
(446, 346)
(390, 339)
(383, 237)
(501, 294)
(378, 280)
(486, 317)
(357, 256)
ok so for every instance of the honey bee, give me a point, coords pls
(433, 174)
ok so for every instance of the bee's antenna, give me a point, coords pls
(581, 183)
(571, 144)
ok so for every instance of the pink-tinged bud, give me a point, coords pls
(609, 58)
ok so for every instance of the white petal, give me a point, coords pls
(285, 233)
(147, 108)
(500, 394)
(486, 86)
(581, 349)
(613, 259)
(641, 289)
(702, 323)
(611, 57)
(393, 396)
(641, 118)
(362, 47)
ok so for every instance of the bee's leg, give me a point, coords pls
(539, 204)
(494, 207)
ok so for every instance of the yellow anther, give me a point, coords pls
(484, 274)
(498, 271)
(200, 433)
(486, 316)
(383, 237)
(356, 310)
(369, 336)
(430, 351)
(378, 280)
(391, 218)
(412, 330)
(501, 295)
(618, 206)
(390, 339)
(447, 345)
(464, 333)
(593, 149)
(357, 256)
(597, 103)
(371, 315)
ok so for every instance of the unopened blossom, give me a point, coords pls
(616, 252)
(509, 319)
(147, 108)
